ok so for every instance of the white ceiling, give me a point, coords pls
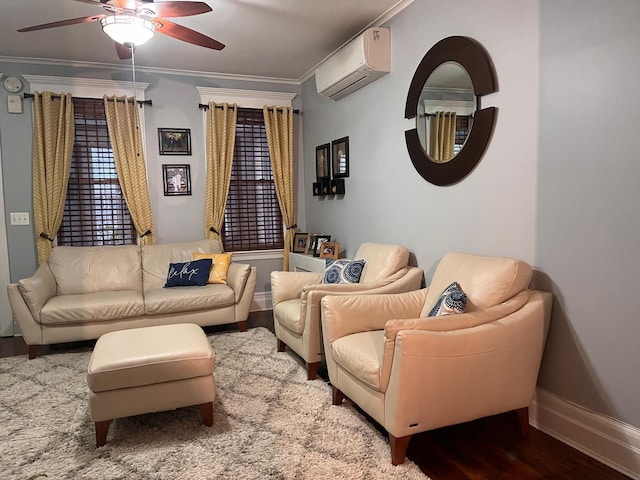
(283, 39)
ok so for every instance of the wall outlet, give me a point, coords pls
(20, 218)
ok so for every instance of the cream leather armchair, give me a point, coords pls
(296, 297)
(413, 373)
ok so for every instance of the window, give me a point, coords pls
(95, 212)
(252, 218)
(463, 125)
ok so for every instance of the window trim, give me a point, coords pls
(246, 99)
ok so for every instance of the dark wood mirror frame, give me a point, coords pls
(476, 61)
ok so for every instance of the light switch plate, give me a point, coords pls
(14, 104)
(19, 218)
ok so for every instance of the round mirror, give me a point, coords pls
(445, 112)
(454, 71)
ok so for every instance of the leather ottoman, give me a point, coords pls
(151, 369)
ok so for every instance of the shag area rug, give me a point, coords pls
(269, 423)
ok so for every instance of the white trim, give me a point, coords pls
(603, 438)
(154, 70)
(245, 98)
(258, 255)
(7, 328)
(85, 87)
(261, 301)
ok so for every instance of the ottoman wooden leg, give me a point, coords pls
(206, 409)
(102, 428)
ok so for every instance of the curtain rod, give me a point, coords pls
(202, 106)
(139, 102)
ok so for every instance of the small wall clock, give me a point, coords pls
(12, 84)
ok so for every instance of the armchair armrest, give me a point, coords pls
(289, 285)
(348, 314)
(37, 289)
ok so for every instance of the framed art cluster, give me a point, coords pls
(314, 244)
(176, 178)
(332, 167)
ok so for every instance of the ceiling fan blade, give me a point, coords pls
(123, 51)
(178, 9)
(186, 34)
(62, 23)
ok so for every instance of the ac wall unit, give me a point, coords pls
(357, 64)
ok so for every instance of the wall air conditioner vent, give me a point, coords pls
(357, 64)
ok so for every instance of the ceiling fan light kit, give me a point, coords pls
(127, 29)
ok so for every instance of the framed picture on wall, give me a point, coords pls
(176, 179)
(340, 157)
(323, 162)
(174, 141)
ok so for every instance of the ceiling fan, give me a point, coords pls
(132, 22)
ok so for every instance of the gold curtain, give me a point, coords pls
(221, 139)
(53, 136)
(278, 122)
(126, 142)
(442, 136)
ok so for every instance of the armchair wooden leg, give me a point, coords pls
(242, 326)
(281, 345)
(206, 410)
(522, 415)
(336, 396)
(399, 448)
(33, 351)
(102, 428)
(312, 370)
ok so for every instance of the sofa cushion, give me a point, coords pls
(92, 307)
(451, 301)
(186, 299)
(79, 270)
(220, 265)
(343, 271)
(361, 355)
(288, 314)
(189, 274)
(156, 259)
(382, 260)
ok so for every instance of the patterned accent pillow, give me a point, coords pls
(220, 267)
(451, 301)
(188, 274)
(343, 271)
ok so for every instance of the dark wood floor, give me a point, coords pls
(486, 449)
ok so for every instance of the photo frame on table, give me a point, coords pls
(340, 157)
(330, 250)
(323, 161)
(319, 241)
(176, 179)
(300, 242)
(174, 141)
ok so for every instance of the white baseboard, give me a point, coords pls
(261, 301)
(603, 438)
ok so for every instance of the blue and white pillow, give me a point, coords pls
(187, 274)
(451, 301)
(343, 271)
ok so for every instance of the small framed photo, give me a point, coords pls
(320, 240)
(330, 250)
(340, 157)
(300, 242)
(174, 141)
(176, 179)
(323, 162)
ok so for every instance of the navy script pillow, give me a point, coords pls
(451, 301)
(343, 271)
(194, 273)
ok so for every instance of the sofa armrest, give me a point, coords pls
(348, 314)
(289, 285)
(237, 276)
(37, 289)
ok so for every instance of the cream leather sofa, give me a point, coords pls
(412, 373)
(296, 296)
(81, 293)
